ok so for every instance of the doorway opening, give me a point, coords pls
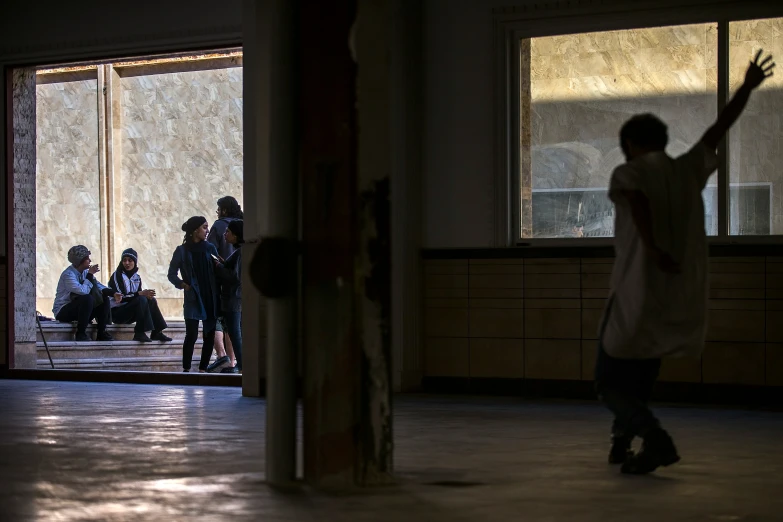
(113, 155)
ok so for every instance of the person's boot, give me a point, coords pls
(621, 449)
(142, 338)
(82, 337)
(657, 450)
(219, 364)
(160, 336)
(104, 336)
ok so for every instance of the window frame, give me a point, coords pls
(512, 24)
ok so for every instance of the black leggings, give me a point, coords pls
(191, 336)
(625, 386)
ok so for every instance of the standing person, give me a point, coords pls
(81, 297)
(658, 300)
(228, 210)
(229, 274)
(136, 305)
(193, 260)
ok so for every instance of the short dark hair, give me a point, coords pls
(231, 206)
(644, 130)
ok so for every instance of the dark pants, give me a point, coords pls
(83, 309)
(232, 325)
(191, 335)
(625, 386)
(142, 311)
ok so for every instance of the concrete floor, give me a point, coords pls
(73, 451)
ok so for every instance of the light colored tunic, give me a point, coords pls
(650, 313)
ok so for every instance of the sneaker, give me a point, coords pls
(230, 369)
(657, 450)
(82, 337)
(160, 336)
(220, 362)
(621, 450)
(104, 336)
(142, 338)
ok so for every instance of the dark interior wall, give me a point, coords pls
(37, 28)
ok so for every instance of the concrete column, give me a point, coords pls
(256, 135)
(24, 263)
(405, 113)
(345, 162)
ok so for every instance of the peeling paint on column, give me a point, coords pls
(376, 438)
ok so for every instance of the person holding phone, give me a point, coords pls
(229, 274)
(81, 297)
(228, 210)
(136, 305)
(193, 261)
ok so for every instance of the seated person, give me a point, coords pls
(136, 305)
(81, 298)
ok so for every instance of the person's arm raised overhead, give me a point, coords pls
(758, 71)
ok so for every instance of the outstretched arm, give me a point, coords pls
(758, 71)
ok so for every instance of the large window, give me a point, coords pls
(577, 90)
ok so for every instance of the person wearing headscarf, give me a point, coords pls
(81, 297)
(137, 305)
(229, 275)
(192, 270)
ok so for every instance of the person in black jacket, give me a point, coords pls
(229, 275)
(136, 305)
(228, 210)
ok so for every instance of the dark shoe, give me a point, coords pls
(142, 338)
(230, 369)
(104, 336)
(220, 363)
(160, 336)
(185, 370)
(621, 450)
(657, 450)
(82, 337)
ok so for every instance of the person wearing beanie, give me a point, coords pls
(81, 297)
(228, 210)
(229, 275)
(137, 305)
(193, 262)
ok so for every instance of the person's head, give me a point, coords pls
(195, 229)
(229, 207)
(641, 134)
(235, 232)
(129, 259)
(79, 257)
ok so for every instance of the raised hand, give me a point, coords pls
(94, 269)
(759, 70)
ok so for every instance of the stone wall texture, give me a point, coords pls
(177, 149)
(67, 181)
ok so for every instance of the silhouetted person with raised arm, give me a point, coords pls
(657, 305)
